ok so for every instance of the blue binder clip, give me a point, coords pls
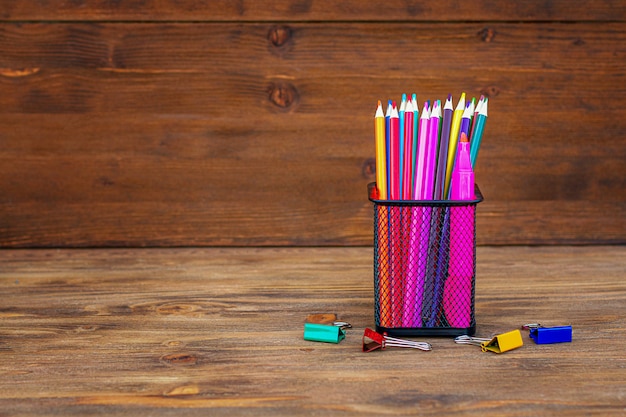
(548, 335)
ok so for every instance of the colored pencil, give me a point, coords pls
(416, 122)
(475, 140)
(466, 119)
(454, 138)
(476, 111)
(420, 224)
(431, 303)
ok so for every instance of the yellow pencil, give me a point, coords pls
(452, 144)
(381, 158)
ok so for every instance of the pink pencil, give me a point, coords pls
(427, 173)
(416, 269)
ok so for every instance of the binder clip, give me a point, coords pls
(373, 340)
(325, 328)
(548, 335)
(499, 344)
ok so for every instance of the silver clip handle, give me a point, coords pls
(392, 341)
(469, 340)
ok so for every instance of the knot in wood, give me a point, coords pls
(368, 170)
(279, 35)
(487, 34)
(182, 359)
(283, 95)
(490, 91)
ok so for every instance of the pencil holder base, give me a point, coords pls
(427, 331)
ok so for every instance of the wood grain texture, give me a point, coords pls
(219, 331)
(314, 10)
(234, 133)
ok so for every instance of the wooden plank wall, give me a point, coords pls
(181, 123)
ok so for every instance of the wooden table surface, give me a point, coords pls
(219, 332)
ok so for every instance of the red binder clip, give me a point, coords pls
(373, 340)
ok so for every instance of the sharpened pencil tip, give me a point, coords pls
(379, 110)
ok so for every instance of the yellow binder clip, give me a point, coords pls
(499, 344)
(503, 342)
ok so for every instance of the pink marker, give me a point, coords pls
(457, 297)
(430, 155)
(463, 175)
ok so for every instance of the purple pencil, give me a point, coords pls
(466, 120)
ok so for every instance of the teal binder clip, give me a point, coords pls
(548, 335)
(329, 333)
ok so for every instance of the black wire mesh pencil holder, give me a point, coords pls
(424, 266)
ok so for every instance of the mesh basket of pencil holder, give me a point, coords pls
(424, 266)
